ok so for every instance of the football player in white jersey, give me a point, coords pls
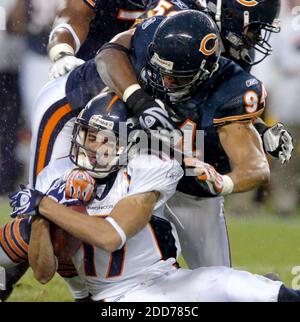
(129, 248)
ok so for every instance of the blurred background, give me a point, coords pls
(264, 225)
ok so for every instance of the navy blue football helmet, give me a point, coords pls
(246, 25)
(184, 52)
(96, 144)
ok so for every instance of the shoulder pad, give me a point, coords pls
(244, 99)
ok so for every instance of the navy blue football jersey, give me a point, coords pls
(231, 95)
(111, 18)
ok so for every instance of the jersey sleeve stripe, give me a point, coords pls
(9, 232)
(245, 117)
(6, 248)
(17, 234)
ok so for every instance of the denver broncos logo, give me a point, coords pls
(204, 44)
(248, 3)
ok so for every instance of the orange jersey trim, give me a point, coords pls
(51, 124)
(14, 257)
(13, 245)
(18, 236)
(238, 117)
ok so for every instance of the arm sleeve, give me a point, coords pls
(244, 107)
(152, 173)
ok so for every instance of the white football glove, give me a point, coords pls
(63, 65)
(278, 142)
(216, 183)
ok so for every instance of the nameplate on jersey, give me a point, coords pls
(166, 64)
(129, 14)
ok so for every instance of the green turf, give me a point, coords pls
(259, 244)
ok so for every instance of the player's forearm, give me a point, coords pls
(250, 175)
(92, 230)
(114, 66)
(78, 17)
(115, 70)
(249, 164)
(41, 256)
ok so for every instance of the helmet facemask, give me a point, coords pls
(176, 85)
(257, 35)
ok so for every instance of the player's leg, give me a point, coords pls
(51, 126)
(14, 243)
(50, 137)
(212, 284)
(201, 228)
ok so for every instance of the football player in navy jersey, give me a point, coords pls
(96, 21)
(245, 29)
(218, 97)
(83, 26)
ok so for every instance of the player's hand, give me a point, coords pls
(207, 175)
(25, 202)
(150, 112)
(278, 142)
(63, 65)
(57, 192)
(80, 185)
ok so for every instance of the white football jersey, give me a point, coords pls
(151, 251)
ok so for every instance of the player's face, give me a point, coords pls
(101, 147)
(172, 82)
(253, 34)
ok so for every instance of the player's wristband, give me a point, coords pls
(261, 128)
(228, 185)
(129, 91)
(57, 50)
(118, 229)
(139, 101)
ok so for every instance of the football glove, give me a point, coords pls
(207, 175)
(25, 202)
(57, 192)
(278, 142)
(80, 185)
(64, 64)
(151, 113)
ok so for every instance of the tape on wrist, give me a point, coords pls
(58, 49)
(71, 31)
(129, 91)
(118, 229)
(228, 185)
